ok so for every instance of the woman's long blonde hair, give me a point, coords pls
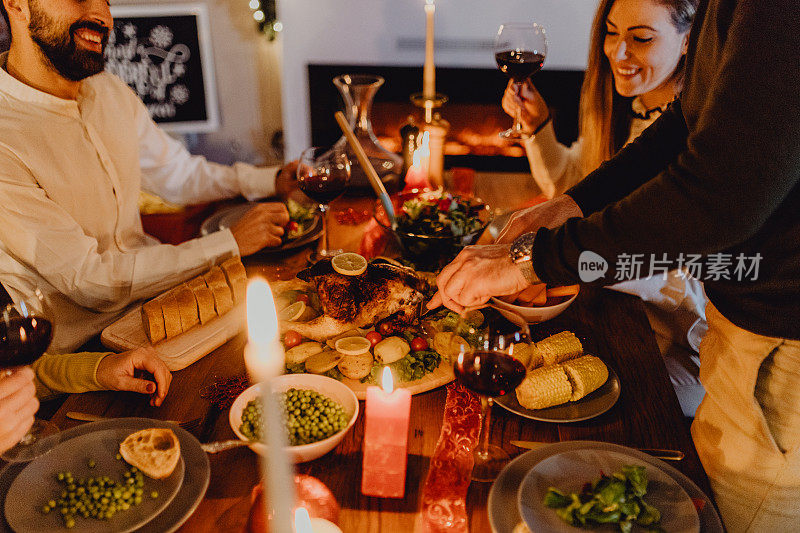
(604, 119)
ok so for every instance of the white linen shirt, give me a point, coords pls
(70, 176)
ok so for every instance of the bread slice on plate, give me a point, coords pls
(172, 315)
(187, 305)
(236, 276)
(154, 451)
(204, 297)
(223, 300)
(153, 320)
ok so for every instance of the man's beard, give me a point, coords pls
(57, 43)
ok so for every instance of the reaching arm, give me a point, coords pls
(740, 161)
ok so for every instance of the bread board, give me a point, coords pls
(441, 376)
(181, 351)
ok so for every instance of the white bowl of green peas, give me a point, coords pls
(318, 412)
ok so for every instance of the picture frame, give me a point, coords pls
(163, 52)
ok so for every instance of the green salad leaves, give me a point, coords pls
(615, 499)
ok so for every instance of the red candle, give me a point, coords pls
(387, 415)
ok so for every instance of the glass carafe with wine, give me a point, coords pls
(489, 363)
(323, 175)
(519, 50)
(25, 334)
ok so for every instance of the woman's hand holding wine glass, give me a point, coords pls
(519, 50)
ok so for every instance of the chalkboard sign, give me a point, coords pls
(163, 52)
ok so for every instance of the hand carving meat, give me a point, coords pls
(348, 302)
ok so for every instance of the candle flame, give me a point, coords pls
(262, 319)
(387, 382)
(302, 521)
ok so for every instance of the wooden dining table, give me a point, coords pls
(614, 325)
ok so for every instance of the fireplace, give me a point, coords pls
(473, 110)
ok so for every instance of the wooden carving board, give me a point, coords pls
(441, 376)
(181, 351)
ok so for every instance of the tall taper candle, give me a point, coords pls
(429, 71)
(264, 359)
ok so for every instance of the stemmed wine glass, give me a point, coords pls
(519, 49)
(323, 175)
(25, 334)
(487, 365)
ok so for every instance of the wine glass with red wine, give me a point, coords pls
(490, 345)
(25, 334)
(323, 175)
(519, 50)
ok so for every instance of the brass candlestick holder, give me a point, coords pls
(437, 129)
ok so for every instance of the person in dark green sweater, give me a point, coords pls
(715, 177)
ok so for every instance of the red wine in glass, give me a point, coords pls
(491, 374)
(23, 339)
(324, 187)
(519, 65)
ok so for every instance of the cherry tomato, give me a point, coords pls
(444, 204)
(291, 339)
(292, 226)
(385, 329)
(303, 298)
(419, 344)
(374, 338)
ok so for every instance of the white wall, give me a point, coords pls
(247, 68)
(368, 32)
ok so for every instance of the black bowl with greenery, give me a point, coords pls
(433, 226)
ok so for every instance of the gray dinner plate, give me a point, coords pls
(590, 406)
(503, 508)
(569, 471)
(196, 473)
(37, 484)
(227, 217)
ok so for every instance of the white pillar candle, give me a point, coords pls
(429, 71)
(303, 523)
(264, 359)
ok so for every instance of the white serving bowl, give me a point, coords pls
(329, 387)
(533, 314)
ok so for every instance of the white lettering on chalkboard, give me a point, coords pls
(150, 67)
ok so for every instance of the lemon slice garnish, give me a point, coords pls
(349, 264)
(353, 345)
(292, 312)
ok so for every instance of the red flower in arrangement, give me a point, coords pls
(444, 204)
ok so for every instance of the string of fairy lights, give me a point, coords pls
(266, 17)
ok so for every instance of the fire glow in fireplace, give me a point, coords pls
(473, 110)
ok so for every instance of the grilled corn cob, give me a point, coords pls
(559, 348)
(544, 387)
(586, 374)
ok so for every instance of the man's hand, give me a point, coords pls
(532, 108)
(550, 214)
(116, 372)
(18, 404)
(475, 275)
(260, 227)
(286, 180)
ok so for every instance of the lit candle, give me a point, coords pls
(303, 523)
(429, 72)
(417, 174)
(264, 359)
(387, 415)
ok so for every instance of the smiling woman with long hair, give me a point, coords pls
(635, 68)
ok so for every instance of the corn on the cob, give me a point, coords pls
(525, 353)
(544, 387)
(559, 347)
(586, 374)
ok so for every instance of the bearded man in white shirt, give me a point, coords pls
(76, 148)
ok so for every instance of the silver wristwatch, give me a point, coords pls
(522, 255)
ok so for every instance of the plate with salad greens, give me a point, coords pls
(605, 491)
(304, 223)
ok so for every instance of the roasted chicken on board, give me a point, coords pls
(349, 302)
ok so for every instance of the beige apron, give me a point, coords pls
(747, 429)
